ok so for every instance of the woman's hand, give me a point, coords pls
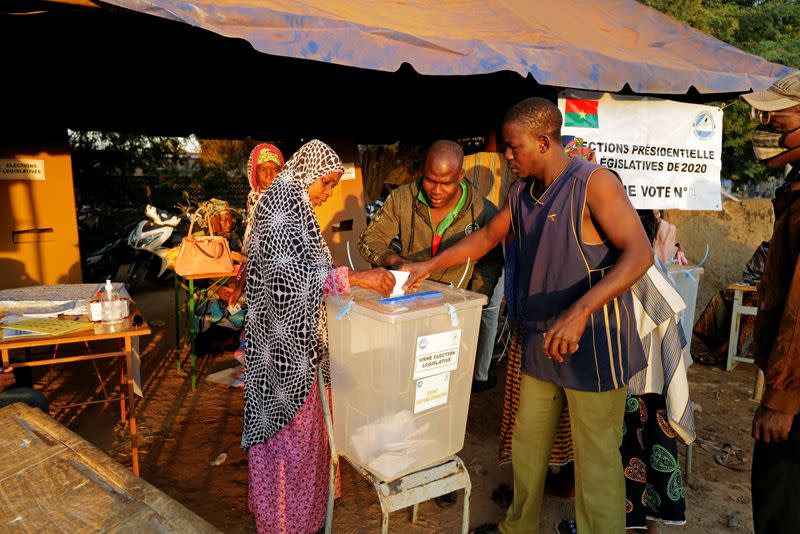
(417, 273)
(378, 279)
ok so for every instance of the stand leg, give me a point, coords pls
(123, 402)
(131, 406)
(192, 333)
(758, 387)
(467, 492)
(384, 522)
(177, 322)
(689, 454)
(733, 339)
(334, 464)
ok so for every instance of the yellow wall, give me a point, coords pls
(346, 203)
(39, 258)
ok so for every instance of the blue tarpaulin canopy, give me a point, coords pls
(586, 44)
(369, 70)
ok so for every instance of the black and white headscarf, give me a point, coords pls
(288, 262)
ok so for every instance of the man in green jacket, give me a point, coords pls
(431, 214)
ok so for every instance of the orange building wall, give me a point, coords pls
(346, 204)
(30, 258)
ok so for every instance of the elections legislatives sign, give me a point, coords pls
(668, 154)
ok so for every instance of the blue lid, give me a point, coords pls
(405, 299)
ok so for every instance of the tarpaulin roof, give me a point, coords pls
(587, 44)
(367, 70)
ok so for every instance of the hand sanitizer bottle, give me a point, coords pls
(110, 303)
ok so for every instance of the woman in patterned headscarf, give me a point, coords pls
(290, 271)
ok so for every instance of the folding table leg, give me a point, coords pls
(123, 417)
(131, 406)
(177, 322)
(192, 334)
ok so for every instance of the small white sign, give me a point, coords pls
(21, 169)
(437, 353)
(349, 172)
(431, 392)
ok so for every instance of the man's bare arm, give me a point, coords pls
(473, 247)
(615, 219)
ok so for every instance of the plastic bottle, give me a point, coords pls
(110, 304)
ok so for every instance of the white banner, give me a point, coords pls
(668, 154)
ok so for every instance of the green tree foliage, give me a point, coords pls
(223, 169)
(766, 28)
(103, 154)
(104, 165)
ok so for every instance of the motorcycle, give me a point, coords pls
(102, 236)
(151, 240)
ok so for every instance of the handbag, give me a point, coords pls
(203, 255)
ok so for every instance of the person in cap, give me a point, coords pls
(776, 343)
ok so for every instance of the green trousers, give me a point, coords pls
(596, 424)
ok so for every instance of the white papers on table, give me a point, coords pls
(44, 308)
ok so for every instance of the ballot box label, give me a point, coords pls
(437, 353)
(431, 392)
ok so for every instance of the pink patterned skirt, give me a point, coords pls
(289, 474)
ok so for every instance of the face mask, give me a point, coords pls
(768, 144)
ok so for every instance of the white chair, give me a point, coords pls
(733, 340)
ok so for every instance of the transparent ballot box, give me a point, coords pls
(686, 279)
(401, 371)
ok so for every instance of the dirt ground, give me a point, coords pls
(182, 431)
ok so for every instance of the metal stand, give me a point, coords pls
(447, 476)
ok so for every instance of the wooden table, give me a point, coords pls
(52, 480)
(128, 337)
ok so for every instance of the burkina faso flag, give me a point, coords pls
(581, 113)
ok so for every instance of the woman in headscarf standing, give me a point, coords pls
(263, 166)
(290, 271)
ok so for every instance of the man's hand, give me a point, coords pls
(771, 426)
(6, 378)
(562, 338)
(417, 273)
(378, 279)
(396, 262)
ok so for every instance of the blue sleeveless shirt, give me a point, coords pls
(553, 269)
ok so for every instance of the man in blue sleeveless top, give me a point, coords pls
(577, 247)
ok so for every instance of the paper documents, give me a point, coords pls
(51, 327)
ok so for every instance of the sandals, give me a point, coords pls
(732, 458)
(727, 455)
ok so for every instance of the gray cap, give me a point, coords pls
(785, 93)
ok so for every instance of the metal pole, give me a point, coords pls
(334, 464)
